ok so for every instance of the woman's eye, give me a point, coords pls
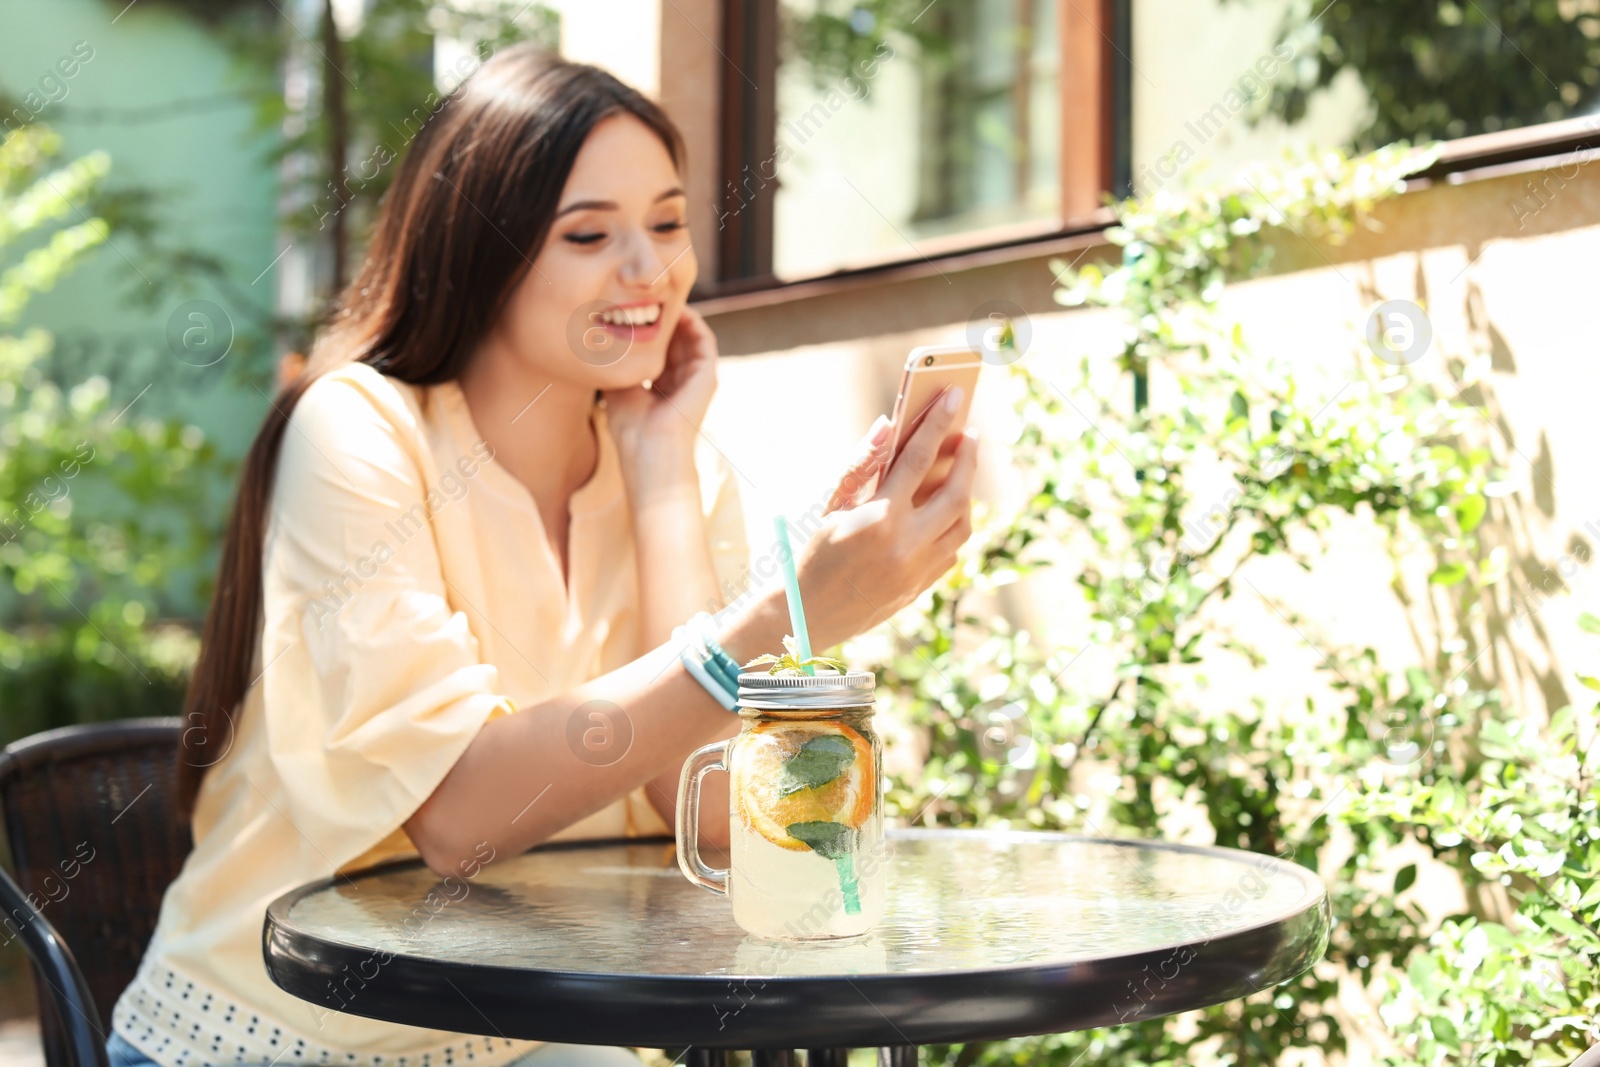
(585, 238)
(669, 227)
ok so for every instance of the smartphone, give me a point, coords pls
(931, 372)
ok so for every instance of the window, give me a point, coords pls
(898, 135)
(902, 129)
(1217, 84)
(899, 128)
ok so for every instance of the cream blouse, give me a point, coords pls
(410, 596)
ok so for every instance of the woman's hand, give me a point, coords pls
(863, 474)
(657, 426)
(869, 561)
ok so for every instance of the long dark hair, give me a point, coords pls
(470, 205)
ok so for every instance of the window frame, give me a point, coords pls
(1093, 42)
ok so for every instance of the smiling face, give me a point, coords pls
(604, 295)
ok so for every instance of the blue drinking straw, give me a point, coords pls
(847, 884)
(791, 582)
(843, 864)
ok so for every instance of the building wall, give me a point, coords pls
(808, 369)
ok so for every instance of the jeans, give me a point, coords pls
(122, 1054)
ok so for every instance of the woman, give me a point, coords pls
(457, 536)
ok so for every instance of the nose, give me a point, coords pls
(642, 261)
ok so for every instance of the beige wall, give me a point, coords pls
(807, 373)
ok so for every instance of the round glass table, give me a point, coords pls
(987, 934)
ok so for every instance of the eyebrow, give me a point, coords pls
(611, 205)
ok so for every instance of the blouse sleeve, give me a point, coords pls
(373, 683)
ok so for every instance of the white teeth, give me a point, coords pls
(630, 316)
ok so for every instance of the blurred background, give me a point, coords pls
(1287, 530)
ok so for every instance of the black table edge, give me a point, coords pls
(739, 1011)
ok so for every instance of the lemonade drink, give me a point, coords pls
(807, 860)
(806, 822)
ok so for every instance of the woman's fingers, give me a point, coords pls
(917, 458)
(955, 535)
(692, 344)
(954, 498)
(689, 378)
(692, 327)
(864, 469)
(877, 556)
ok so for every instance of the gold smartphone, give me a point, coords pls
(929, 373)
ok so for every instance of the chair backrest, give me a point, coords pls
(90, 816)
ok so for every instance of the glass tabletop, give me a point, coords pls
(986, 934)
(958, 901)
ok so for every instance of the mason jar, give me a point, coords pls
(805, 808)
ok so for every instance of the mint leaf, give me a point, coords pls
(828, 839)
(819, 761)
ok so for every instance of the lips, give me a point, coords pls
(630, 322)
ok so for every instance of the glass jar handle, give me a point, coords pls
(712, 757)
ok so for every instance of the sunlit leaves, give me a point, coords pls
(87, 559)
(1155, 516)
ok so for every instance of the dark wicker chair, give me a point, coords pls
(89, 816)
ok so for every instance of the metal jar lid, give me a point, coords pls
(825, 689)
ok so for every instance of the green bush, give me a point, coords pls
(1361, 763)
(101, 511)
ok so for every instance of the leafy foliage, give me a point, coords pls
(385, 69)
(1520, 813)
(1158, 515)
(87, 562)
(835, 38)
(1444, 68)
